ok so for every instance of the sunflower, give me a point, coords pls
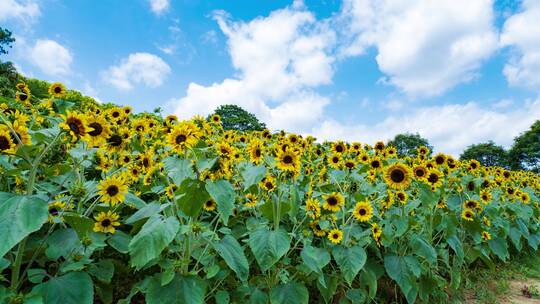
(486, 221)
(313, 208)
(486, 236)
(210, 205)
(98, 130)
(339, 147)
(7, 145)
(398, 176)
(255, 150)
(216, 119)
(485, 196)
(171, 119)
(335, 236)
(251, 200)
(439, 159)
(317, 230)
(105, 222)
(288, 161)
(379, 146)
(112, 190)
(471, 204)
(117, 140)
(335, 161)
(467, 214)
(422, 150)
(170, 190)
(402, 197)
(333, 202)
(75, 124)
(23, 96)
(127, 110)
(376, 231)
(363, 211)
(55, 210)
(350, 164)
(268, 183)
(524, 197)
(116, 113)
(420, 172)
(21, 86)
(57, 90)
(183, 136)
(19, 133)
(434, 178)
(375, 163)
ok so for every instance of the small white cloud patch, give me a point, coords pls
(51, 57)
(137, 68)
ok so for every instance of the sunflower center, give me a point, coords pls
(23, 97)
(106, 223)
(58, 90)
(115, 114)
(339, 149)
(332, 201)
(375, 164)
(180, 139)
(112, 190)
(397, 175)
(362, 212)
(4, 143)
(258, 153)
(439, 160)
(433, 178)
(98, 129)
(287, 159)
(269, 186)
(420, 173)
(74, 127)
(115, 140)
(53, 211)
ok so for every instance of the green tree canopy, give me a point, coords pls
(525, 152)
(5, 40)
(234, 117)
(407, 143)
(8, 73)
(488, 154)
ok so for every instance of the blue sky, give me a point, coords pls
(456, 71)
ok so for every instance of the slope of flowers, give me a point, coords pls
(99, 204)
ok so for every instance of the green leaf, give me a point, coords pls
(267, 210)
(315, 258)
(289, 293)
(268, 246)
(72, 288)
(424, 249)
(178, 169)
(145, 212)
(155, 235)
(81, 224)
(62, 242)
(192, 197)
(102, 270)
(455, 244)
(499, 247)
(223, 194)
(120, 241)
(350, 261)
(181, 290)
(398, 270)
(233, 254)
(252, 175)
(20, 216)
(329, 290)
(222, 297)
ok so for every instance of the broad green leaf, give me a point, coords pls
(515, 236)
(350, 261)
(145, 212)
(268, 246)
(252, 175)
(179, 169)
(424, 249)
(81, 224)
(499, 247)
(315, 258)
(62, 242)
(132, 199)
(222, 297)
(192, 197)
(120, 241)
(289, 293)
(102, 270)
(222, 192)
(329, 290)
(268, 210)
(181, 290)
(455, 244)
(20, 216)
(233, 254)
(398, 270)
(258, 297)
(72, 288)
(155, 235)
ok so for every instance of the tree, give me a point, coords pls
(406, 144)
(525, 152)
(5, 40)
(488, 154)
(235, 118)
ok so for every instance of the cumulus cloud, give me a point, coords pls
(137, 68)
(25, 11)
(51, 57)
(424, 47)
(279, 60)
(450, 128)
(522, 31)
(159, 6)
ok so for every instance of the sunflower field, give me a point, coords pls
(101, 205)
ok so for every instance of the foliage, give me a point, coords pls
(406, 144)
(99, 204)
(525, 152)
(488, 154)
(234, 117)
(5, 40)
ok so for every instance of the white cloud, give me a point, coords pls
(522, 31)
(159, 6)
(137, 68)
(51, 57)
(25, 11)
(280, 59)
(425, 47)
(449, 128)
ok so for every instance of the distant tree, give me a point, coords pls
(525, 152)
(406, 144)
(5, 40)
(235, 118)
(488, 154)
